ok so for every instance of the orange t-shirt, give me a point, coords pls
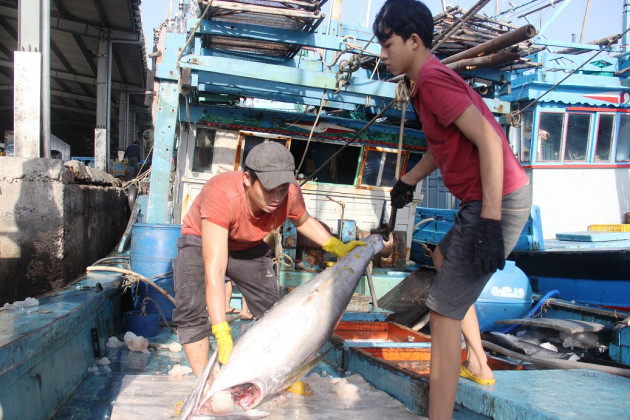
(222, 201)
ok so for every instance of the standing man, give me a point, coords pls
(132, 153)
(222, 235)
(478, 167)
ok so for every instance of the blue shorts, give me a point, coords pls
(457, 286)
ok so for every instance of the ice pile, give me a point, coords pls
(136, 342)
(29, 301)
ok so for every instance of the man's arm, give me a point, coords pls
(312, 229)
(479, 131)
(214, 242)
(421, 170)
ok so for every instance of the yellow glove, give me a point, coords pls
(338, 248)
(224, 341)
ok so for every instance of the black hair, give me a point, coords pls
(252, 174)
(404, 18)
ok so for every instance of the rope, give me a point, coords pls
(310, 136)
(351, 140)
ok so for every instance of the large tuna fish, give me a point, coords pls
(283, 345)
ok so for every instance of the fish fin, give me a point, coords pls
(305, 368)
(192, 401)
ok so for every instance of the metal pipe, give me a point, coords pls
(626, 25)
(487, 61)
(45, 86)
(507, 39)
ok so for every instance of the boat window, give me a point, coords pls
(604, 137)
(526, 135)
(247, 141)
(578, 136)
(204, 149)
(623, 142)
(549, 136)
(342, 169)
(378, 168)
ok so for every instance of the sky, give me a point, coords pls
(604, 16)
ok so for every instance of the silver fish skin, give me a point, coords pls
(282, 346)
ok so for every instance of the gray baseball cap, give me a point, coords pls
(273, 164)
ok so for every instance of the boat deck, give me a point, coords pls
(48, 349)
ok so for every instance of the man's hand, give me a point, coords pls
(401, 194)
(338, 248)
(224, 341)
(488, 246)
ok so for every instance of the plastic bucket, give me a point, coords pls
(153, 248)
(146, 290)
(507, 295)
(138, 323)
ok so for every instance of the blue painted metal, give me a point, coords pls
(347, 229)
(609, 292)
(163, 151)
(283, 76)
(593, 236)
(289, 244)
(431, 232)
(553, 17)
(619, 349)
(279, 122)
(153, 248)
(266, 33)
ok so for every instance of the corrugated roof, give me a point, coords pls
(75, 27)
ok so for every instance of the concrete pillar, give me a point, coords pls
(27, 75)
(45, 91)
(101, 134)
(123, 119)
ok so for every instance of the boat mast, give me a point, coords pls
(626, 25)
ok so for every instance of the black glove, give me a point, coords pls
(488, 246)
(401, 194)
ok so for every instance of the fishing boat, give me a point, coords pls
(224, 80)
(568, 129)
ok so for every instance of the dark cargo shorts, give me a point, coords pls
(251, 270)
(457, 286)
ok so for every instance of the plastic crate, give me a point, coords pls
(610, 228)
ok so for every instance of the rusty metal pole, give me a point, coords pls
(496, 44)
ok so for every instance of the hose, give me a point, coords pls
(534, 310)
(138, 277)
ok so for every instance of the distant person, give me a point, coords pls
(133, 156)
(470, 148)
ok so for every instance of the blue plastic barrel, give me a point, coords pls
(158, 298)
(507, 295)
(153, 248)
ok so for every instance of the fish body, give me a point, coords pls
(282, 346)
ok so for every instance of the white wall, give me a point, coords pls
(572, 199)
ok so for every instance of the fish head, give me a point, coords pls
(217, 393)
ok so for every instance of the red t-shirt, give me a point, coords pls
(222, 201)
(440, 96)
